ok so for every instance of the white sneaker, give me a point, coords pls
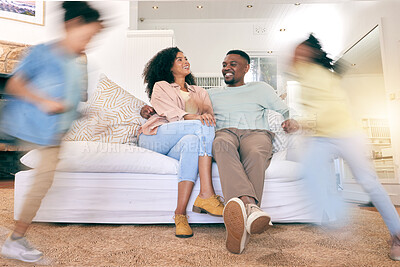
(235, 223)
(395, 248)
(257, 219)
(20, 249)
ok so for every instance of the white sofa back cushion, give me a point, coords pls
(87, 156)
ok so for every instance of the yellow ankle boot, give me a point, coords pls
(212, 205)
(182, 227)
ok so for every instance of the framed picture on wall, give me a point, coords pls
(25, 11)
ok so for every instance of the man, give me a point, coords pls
(243, 147)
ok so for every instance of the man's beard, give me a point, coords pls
(229, 81)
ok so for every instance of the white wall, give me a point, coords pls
(362, 17)
(26, 33)
(205, 43)
(107, 52)
(141, 46)
(367, 96)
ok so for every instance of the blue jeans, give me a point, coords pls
(317, 171)
(185, 141)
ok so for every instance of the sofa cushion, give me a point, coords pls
(86, 156)
(283, 170)
(112, 115)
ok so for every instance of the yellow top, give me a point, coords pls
(190, 106)
(325, 104)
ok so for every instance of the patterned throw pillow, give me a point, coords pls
(112, 115)
(275, 120)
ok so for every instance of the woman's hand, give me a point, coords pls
(207, 119)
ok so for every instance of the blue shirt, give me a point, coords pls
(246, 106)
(52, 73)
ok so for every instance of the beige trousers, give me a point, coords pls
(42, 181)
(242, 157)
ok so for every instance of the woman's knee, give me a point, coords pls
(190, 143)
(208, 132)
(204, 132)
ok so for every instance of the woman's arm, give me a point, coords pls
(164, 104)
(207, 112)
(207, 105)
(206, 119)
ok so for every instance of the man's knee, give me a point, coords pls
(221, 145)
(256, 152)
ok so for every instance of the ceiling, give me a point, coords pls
(270, 15)
(275, 14)
(222, 9)
(365, 56)
(227, 9)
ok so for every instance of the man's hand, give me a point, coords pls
(290, 126)
(146, 112)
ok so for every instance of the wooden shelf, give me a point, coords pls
(7, 147)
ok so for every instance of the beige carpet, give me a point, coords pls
(360, 243)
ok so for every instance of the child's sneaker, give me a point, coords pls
(20, 249)
(395, 248)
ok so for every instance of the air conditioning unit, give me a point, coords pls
(209, 81)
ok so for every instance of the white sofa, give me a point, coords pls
(122, 184)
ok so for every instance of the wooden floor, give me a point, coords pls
(374, 209)
(7, 183)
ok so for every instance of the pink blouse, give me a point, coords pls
(170, 106)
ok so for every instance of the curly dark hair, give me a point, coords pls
(320, 57)
(159, 69)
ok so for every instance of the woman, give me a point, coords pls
(333, 133)
(46, 89)
(182, 128)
